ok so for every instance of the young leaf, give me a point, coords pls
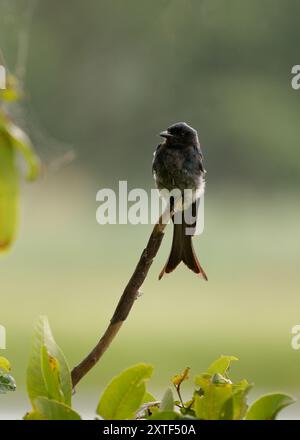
(4, 364)
(218, 398)
(125, 394)
(221, 365)
(7, 383)
(55, 352)
(203, 380)
(9, 192)
(239, 397)
(179, 378)
(236, 406)
(22, 143)
(52, 410)
(51, 374)
(267, 407)
(167, 403)
(12, 139)
(210, 405)
(227, 410)
(36, 384)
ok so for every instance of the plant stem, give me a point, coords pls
(179, 395)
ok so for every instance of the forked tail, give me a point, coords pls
(182, 250)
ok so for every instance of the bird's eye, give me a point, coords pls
(177, 132)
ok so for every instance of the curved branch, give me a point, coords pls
(127, 299)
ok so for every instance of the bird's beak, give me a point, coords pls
(165, 134)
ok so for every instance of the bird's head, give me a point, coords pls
(180, 133)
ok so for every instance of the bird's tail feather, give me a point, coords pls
(182, 250)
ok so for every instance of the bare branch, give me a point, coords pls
(126, 301)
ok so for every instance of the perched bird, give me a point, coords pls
(178, 164)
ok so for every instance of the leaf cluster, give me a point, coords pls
(215, 395)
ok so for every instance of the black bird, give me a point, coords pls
(178, 164)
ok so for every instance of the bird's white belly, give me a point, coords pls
(189, 195)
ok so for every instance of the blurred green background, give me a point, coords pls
(102, 78)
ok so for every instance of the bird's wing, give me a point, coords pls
(198, 157)
(158, 148)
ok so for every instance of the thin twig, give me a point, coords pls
(179, 395)
(126, 301)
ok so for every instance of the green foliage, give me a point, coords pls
(18, 139)
(125, 394)
(51, 374)
(47, 409)
(221, 365)
(52, 410)
(13, 140)
(267, 407)
(219, 398)
(7, 382)
(210, 405)
(215, 396)
(48, 374)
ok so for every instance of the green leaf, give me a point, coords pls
(148, 398)
(167, 403)
(33, 415)
(7, 383)
(221, 365)
(218, 398)
(267, 407)
(227, 411)
(52, 410)
(125, 394)
(9, 192)
(4, 364)
(51, 374)
(210, 405)
(236, 406)
(239, 397)
(12, 139)
(203, 380)
(37, 386)
(22, 143)
(179, 378)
